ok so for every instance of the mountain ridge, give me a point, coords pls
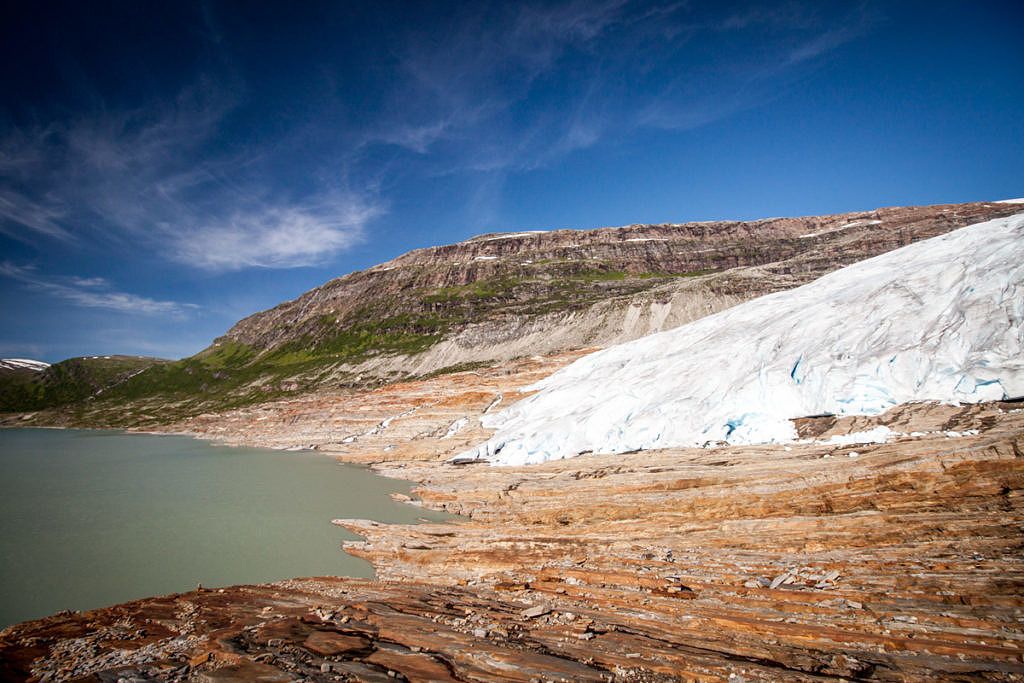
(500, 296)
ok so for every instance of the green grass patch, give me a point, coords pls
(475, 291)
(458, 367)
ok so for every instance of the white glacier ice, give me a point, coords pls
(937, 320)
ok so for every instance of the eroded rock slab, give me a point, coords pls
(798, 562)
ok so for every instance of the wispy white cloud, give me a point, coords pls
(18, 213)
(143, 178)
(823, 43)
(704, 96)
(466, 83)
(276, 236)
(90, 282)
(491, 93)
(93, 293)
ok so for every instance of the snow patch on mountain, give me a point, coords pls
(23, 364)
(510, 235)
(937, 320)
(853, 224)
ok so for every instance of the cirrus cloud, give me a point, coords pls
(277, 236)
(152, 178)
(93, 293)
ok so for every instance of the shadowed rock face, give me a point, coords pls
(766, 563)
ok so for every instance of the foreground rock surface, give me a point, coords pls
(818, 560)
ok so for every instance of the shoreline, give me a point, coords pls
(904, 562)
(351, 490)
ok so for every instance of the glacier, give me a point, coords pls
(936, 320)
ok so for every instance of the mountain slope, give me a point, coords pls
(498, 296)
(503, 296)
(16, 378)
(942, 319)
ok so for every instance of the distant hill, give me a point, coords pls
(27, 385)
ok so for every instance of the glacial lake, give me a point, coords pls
(94, 518)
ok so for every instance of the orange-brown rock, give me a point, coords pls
(813, 561)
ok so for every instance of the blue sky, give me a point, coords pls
(168, 168)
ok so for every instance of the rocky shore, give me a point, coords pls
(825, 559)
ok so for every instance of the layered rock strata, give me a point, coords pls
(817, 560)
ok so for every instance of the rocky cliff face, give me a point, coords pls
(501, 295)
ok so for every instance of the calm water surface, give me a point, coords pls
(93, 518)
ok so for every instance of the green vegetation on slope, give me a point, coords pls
(231, 374)
(359, 337)
(552, 287)
(69, 381)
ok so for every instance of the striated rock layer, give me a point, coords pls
(499, 296)
(816, 561)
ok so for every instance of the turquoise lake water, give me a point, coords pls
(93, 518)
